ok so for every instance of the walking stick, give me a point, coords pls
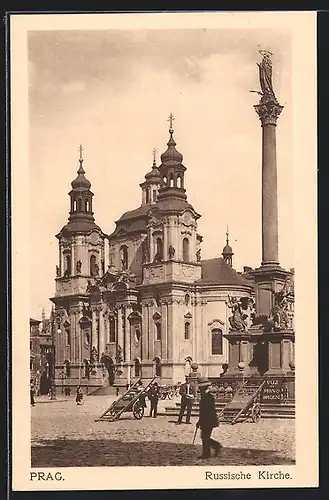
(196, 430)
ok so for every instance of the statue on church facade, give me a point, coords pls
(94, 354)
(171, 252)
(236, 320)
(118, 354)
(79, 265)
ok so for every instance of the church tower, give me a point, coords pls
(168, 295)
(228, 252)
(80, 262)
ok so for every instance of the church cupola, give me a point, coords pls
(150, 187)
(227, 251)
(81, 196)
(171, 169)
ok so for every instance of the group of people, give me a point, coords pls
(153, 394)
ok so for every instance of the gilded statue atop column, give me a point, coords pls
(268, 108)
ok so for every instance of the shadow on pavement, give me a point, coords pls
(104, 453)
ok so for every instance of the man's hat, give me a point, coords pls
(204, 382)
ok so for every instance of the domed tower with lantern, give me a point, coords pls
(173, 265)
(81, 262)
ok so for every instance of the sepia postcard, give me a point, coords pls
(164, 260)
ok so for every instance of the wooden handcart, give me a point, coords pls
(128, 402)
(244, 404)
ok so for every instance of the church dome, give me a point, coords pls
(81, 183)
(153, 175)
(227, 250)
(171, 156)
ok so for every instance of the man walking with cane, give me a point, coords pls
(188, 393)
(207, 419)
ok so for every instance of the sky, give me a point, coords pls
(112, 91)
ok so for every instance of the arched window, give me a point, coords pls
(112, 329)
(68, 265)
(157, 366)
(93, 266)
(138, 367)
(187, 299)
(158, 330)
(171, 181)
(216, 341)
(67, 368)
(80, 204)
(165, 180)
(187, 330)
(137, 334)
(154, 196)
(158, 250)
(86, 366)
(147, 194)
(74, 205)
(179, 181)
(124, 257)
(186, 250)
(86, 205)
(68, 335)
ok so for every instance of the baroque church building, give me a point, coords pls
(157, 307)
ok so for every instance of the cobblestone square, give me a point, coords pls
(67, 435)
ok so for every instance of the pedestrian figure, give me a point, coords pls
(153, 395)
(142, 397)
(188, 393)
(79, 396)
(207, 419)
(32, 391)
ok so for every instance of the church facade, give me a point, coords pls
(156, 306)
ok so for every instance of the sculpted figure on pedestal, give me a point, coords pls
(278, 317)
(236, 320)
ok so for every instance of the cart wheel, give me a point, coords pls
(256, 413)
(171, 394)
(138, 411)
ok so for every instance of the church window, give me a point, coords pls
(187, 299)
(68, 265)
(179, 181)
(74, 205)
(124, 257)
(137, 334)
(80, 204)
(86, 205)
(112, 329)
(154, 195)
(158, 250)
(68, 336)
(93, 266)
(157, 366)
(158, 330)
(138, 367)
(187, 330)
(216, 341)
(86, 369)
(171, 181)
(165, 180)
(147, 193)
(186, 250)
